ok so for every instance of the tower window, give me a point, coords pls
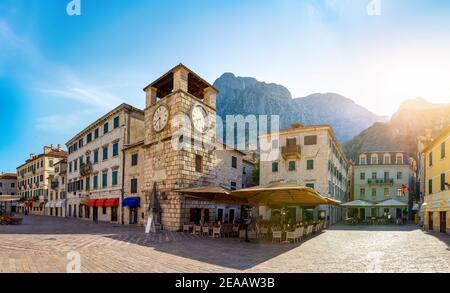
(198, 163)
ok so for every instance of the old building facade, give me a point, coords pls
(56, 204)
(33, 185)
(308, 156)
(380, 176)
(8, 184)
(436, 204)
(95, 165)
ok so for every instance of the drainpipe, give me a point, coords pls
(122, 187)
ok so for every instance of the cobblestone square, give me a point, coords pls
(41, 244)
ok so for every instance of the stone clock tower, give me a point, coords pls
(179, 93)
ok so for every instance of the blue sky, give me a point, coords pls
(58, 73)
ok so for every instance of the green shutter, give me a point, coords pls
(114, 178)
(104, 179)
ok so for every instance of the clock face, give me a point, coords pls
(199, 119)
(160, 118)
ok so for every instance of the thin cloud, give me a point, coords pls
(64, 124)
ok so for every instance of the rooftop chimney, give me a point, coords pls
(297, 125)
(59, 147)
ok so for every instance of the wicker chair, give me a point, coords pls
(197, 230)
(276, 234)
(205, 230)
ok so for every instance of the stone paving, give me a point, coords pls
(41, 244)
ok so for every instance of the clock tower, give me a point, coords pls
(180, 93)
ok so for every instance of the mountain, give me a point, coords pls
(400, 133)
(246, 95)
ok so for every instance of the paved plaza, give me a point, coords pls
(41, 244)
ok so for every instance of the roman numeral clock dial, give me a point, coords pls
(160, 118)
(200, 119)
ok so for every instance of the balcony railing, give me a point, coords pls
(85, 169)
(291, 151)
(382, 181)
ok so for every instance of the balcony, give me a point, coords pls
(383, 181)
(55, 184)
(291, 152)
(85, 169)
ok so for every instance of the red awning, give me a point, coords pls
(91, 202)
(111, 202)
(100, 202)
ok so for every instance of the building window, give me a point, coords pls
(134, 185)
(233, 162)
(75, 164)
(442, 181)
(198, 163)
(362, 160)
(430, 159)
(70, 167)
(115, 149)
(116, 122)
(374, 175)
(233, 185)
(362, 192)
(105, 153)
(134, 159)
(275, 144)
(95, 181)
(50, 163)
(443, 150)
(374, 192)
(310, 185)
(105, 128)
(311, 140)
(386, 192)
(374, 160)
(89, 138)
(114, 178)
(400, 192)
(80, 143)
(96, 156)
(104, 210)
(105, 179)
(399, 175)
(399, 159)
(275, 167)
(310, 165)
(430, 186)
(291, 141)
(244, 171)
(387, 159)
(88, 183)
(96, 133)
(362, 176)
(291, 166)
